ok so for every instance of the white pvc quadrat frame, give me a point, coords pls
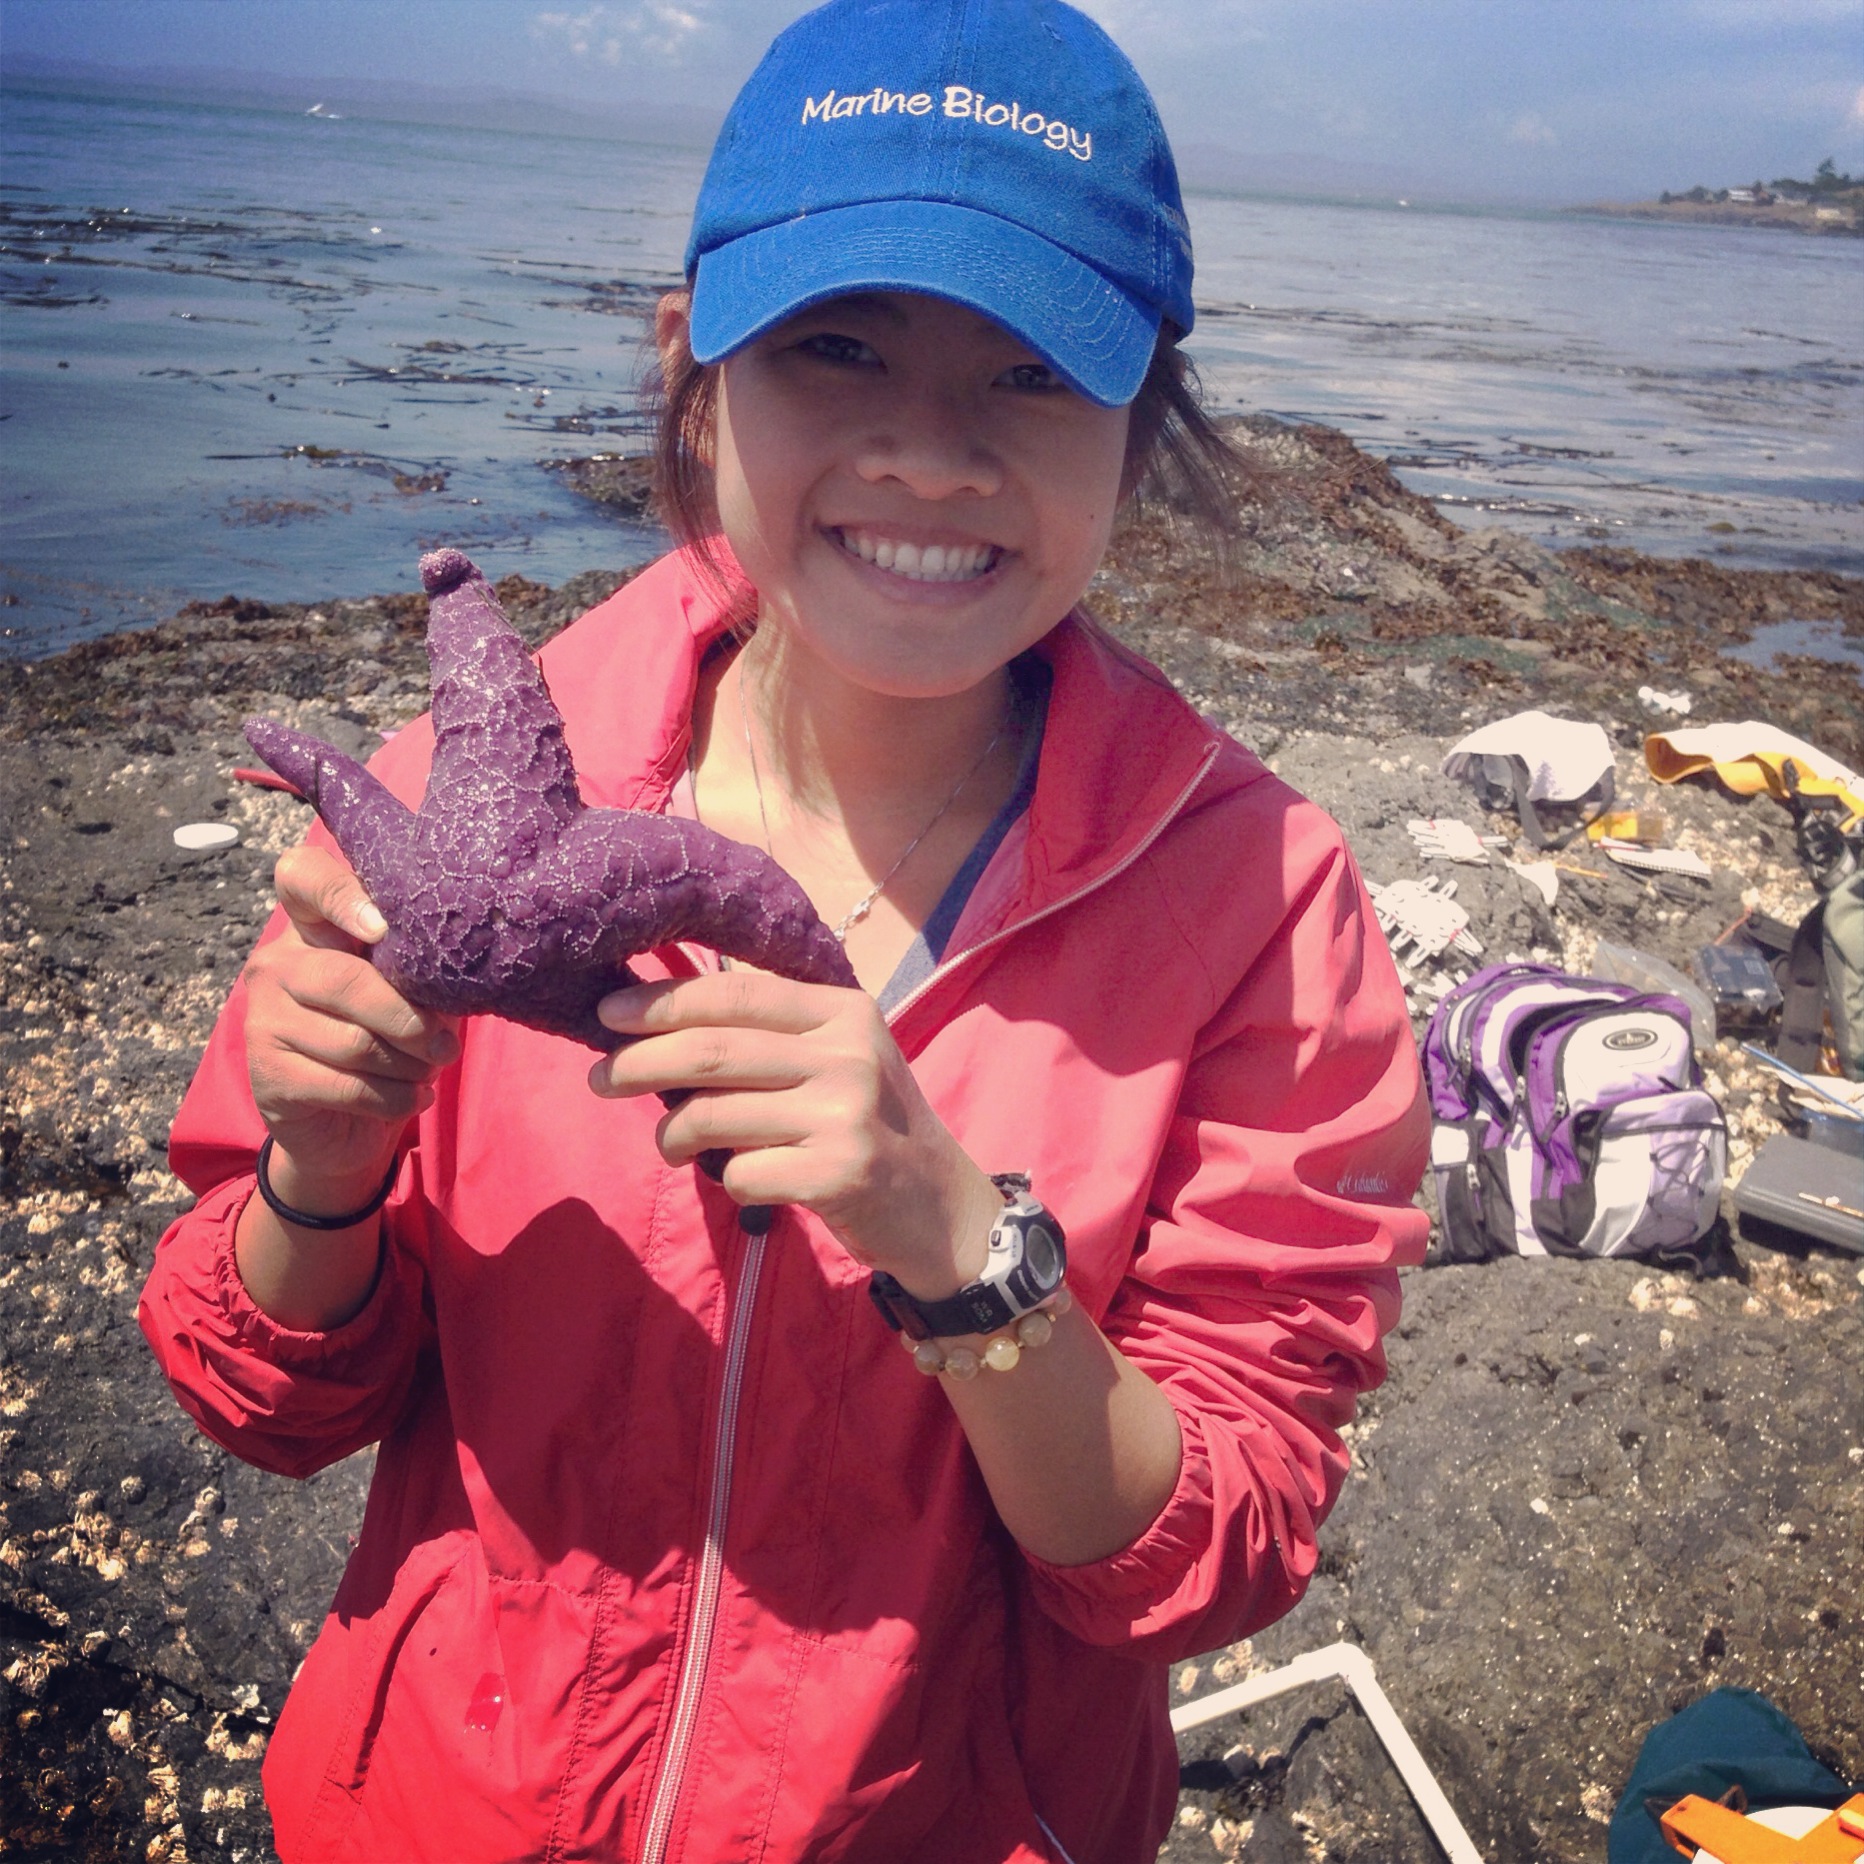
(1353, 1667)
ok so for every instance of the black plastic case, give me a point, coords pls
(1795, 1185)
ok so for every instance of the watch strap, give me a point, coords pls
(979, 1308)
(983, 1307)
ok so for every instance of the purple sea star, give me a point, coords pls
(504, 893)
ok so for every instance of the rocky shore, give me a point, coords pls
(1588, 1493)
(1839, 215)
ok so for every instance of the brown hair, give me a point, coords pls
(1177, 458)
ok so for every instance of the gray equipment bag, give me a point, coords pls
(1823, 976)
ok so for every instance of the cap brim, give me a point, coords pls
(1089, 330)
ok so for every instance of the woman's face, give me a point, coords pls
(915, 497)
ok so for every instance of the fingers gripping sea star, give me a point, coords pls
(504, 892)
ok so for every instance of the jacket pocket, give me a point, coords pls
(883, 1761)
(318, 1761)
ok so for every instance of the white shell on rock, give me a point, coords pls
(206, 837)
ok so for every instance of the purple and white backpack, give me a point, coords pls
(1570, 1119)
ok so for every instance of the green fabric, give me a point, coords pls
(1843, 939)
(1731, 1737)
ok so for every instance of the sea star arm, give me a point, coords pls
(374, 829)
(501, 771)
(646, 880)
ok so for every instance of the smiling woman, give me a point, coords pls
(1117, 1136)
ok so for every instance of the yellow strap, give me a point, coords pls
(1758, 771)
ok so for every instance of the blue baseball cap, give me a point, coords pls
(1003, 154)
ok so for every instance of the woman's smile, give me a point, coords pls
(910, 561)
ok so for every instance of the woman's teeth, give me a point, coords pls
(922, 562)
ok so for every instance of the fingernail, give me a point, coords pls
(598, 1079)
(444, 1048)
(369, 921)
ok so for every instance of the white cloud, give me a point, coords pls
(657, 28)
(1856, 118)
(1532, 129)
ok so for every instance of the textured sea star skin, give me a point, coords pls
(504, 893)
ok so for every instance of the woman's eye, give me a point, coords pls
(829, 346)
(1032, 378)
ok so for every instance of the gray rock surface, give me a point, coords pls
(1588, 1493)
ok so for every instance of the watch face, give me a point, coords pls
(1040, 1255)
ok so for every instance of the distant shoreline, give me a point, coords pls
(1787, 216)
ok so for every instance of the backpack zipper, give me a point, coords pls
(1477, 1091)
(702, 1619)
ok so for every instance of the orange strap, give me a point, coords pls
(1695, 1822)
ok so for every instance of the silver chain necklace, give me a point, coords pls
(865, 904)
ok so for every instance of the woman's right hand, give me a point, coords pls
(339, 1060)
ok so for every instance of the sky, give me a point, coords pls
(1548, 99)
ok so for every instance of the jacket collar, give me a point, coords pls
(625, 677)
(1121, 748)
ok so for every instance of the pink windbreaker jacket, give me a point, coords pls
(671, 1554)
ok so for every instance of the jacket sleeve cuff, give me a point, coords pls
(251, 1328)
(287, 1400)
(1124, 1595)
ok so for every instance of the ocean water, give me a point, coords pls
(279, 355)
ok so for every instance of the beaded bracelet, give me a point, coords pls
(1004, 1350)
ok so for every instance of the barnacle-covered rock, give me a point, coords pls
(503, 892)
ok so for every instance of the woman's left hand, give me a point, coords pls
(805, 1087)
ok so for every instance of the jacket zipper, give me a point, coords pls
(702, 1619)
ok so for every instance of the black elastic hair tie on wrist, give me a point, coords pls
(303, 1219)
